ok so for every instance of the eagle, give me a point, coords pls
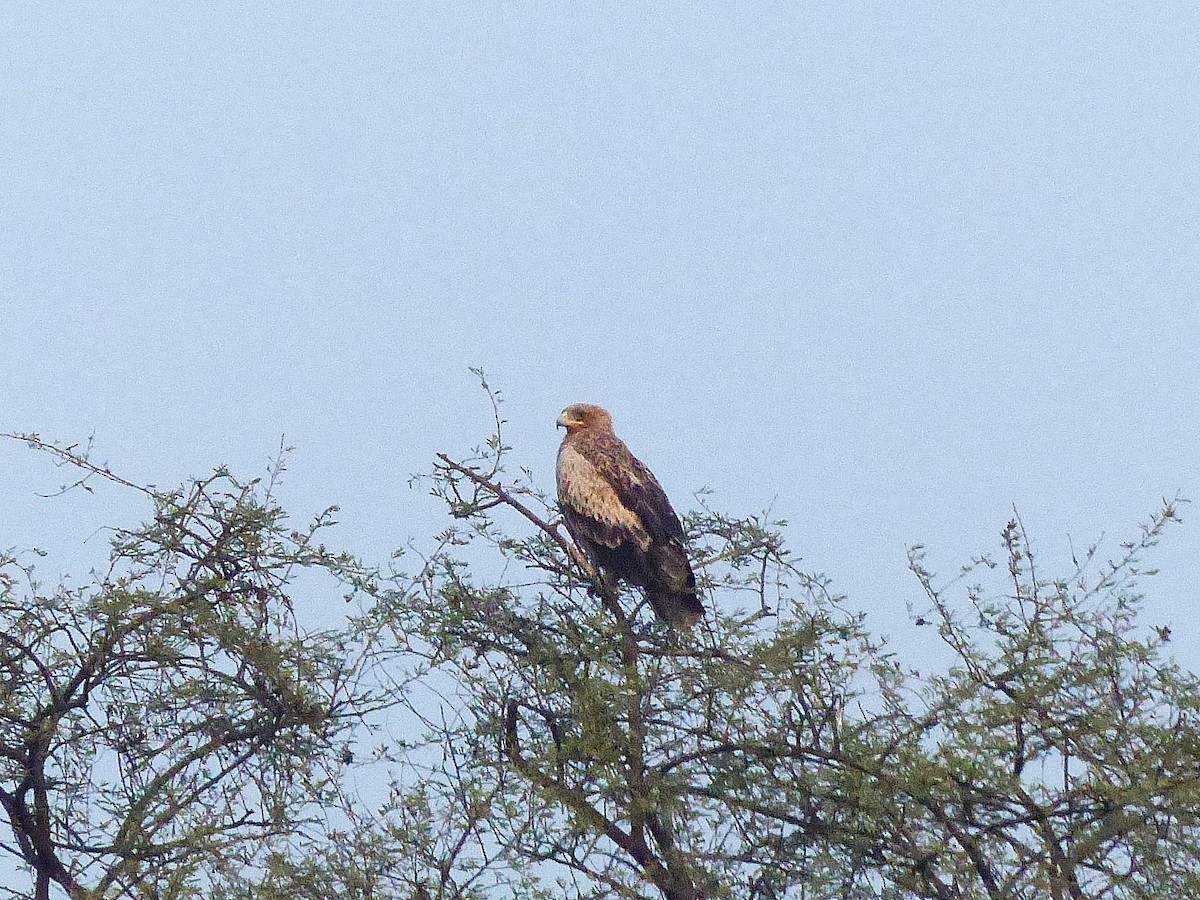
(618, 513)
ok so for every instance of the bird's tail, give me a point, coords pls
(671, 586)
(677, 609)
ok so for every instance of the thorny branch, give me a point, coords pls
(71, 457)
(502, 495)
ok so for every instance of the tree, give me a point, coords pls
(781, 750)
(552, 739)
(170, 718)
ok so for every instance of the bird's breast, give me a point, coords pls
(586, 492)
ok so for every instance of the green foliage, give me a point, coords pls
(780, 750)
(171, 716)
(533, 731)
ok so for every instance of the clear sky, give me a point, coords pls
(888, 268)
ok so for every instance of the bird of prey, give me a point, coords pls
(617, 512)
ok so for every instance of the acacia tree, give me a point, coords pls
(780, 750)
(162, 723)
(544, 736)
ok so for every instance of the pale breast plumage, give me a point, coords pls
(585, 489)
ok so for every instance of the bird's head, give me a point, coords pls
(578, 416)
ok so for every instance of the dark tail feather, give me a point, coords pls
(679, 610)
(671, 586)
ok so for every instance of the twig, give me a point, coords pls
(508, 499)
(67, 455)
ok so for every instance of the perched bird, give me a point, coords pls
(617, 512)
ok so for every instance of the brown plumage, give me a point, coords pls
(620, 516)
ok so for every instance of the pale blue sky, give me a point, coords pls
(890, 268)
